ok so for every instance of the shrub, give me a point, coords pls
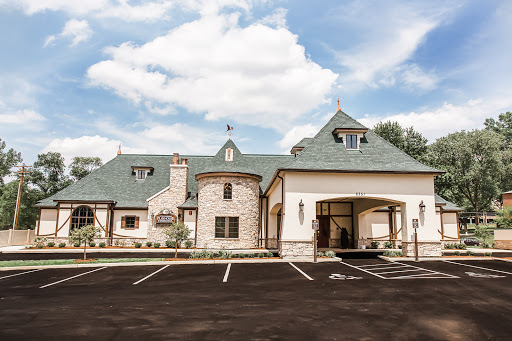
(400, 246)
(241, 255)
(449, 246)
(388, 245)
(486, 245)
(250, 255)
(488, 254)
(156, 245)
(92, 244)
(270, 254)
(261, 255)
(51, 244)
(39, 246)
(188, 244)
(195, 254)
(330, 254)
(222, 254)
(39, 242)
(149, 244)
(76, 244)
(320, 254)
(102, 244)
(374, 245)
(389, 253)
(461, 246)
(138, 245)
(457, 253)
(169, 244)
(469, 253)
(62, 244)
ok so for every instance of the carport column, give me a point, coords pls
(405, 230)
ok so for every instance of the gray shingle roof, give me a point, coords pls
(447, 205)
(303, 143)
(327, 152)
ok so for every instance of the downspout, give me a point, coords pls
(111, 227)
(282, 211)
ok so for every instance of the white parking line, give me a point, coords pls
(151, 274)
(378, 264)
(21, 273)
(67, 279)
(392, 272)
(432, 271)
(415, 276)
(227, 273)
(478, 267)
(302, 272)
(358, 268)
(386, 268)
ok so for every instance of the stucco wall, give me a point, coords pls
(47, 221)
(141, 232)
(450, 223)
(244, 204)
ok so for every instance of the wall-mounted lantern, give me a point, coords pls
(301, 206)
(422, 207)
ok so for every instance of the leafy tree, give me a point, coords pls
(473, 163)
(84, 234)
(27, 214)
(502, 126)
(484, 234)
(48, 175)
(81, 166)
(177, 233)
(408, 140)
(8, 159)
(505, 217)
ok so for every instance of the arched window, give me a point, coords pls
(228, 191)
(82, 216)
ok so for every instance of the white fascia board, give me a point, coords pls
(157, 194)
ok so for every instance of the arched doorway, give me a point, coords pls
(82, 216)
(274, 226)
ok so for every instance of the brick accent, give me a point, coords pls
(295, 249)
(503, 244)
(425, 249)
(170, 199)
(244, 204)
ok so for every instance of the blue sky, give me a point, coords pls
(82, 77)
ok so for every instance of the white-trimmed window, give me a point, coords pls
(229, 154)
(226, 227)
(351, 141)
(141, 174)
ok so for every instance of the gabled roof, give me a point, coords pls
(447, 205)
(326, 152)
(303, 143)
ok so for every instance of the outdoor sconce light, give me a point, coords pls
(301, 206)
(422, 207)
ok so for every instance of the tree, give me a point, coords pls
(177, 233)
(81, 166)
(408, 140)
(27, 214)
(473, 164)
(505, 217)
(503, 126)
(48, 175)
(8, 159)
(84, 234)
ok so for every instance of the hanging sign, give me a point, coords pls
(315, 224)
(415, 223)
(165, 218)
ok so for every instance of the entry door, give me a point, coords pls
(324, 230)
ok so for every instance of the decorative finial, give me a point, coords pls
(119, 150)
(338, 108)
(230, 130)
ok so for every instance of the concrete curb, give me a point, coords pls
(424, 259)
(133, 250)
(195, 262)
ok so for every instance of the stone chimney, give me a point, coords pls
(178, 182)
(175, 158)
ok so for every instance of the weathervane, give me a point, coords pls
(230, 130)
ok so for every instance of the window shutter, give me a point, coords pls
(136, 222)
(123, 222)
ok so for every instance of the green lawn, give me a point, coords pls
(9, 263)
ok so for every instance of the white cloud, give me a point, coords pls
(69, 147)
(447, 118)
(165, 110)
(75, 30)
(255, 75)
(388, 35)
(21, 117)
(297, 133)
(276, 19)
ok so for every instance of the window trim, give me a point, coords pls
(227, 227)
(135, 222)
(79, 218)
(138, 171)
(350, 139)
(228, 193)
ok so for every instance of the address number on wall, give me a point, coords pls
(360, 194)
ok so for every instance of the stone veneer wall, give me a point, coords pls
(425, 249)
(294, 249)
(503, 244)
(244, 204)
(170, 200)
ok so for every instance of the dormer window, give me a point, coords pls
(229, 154)
(351, 141)
(141, 174)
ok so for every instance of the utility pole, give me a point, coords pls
(22, 173)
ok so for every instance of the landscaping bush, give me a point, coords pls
(320, 254)
(39, 242)
(62, 244)
(188, 244)
(102, 244)
(169, 244)
(400, 246)
(194, 255)
(461, 246)
(39, 246)
(374, 245)
(388, 245)
(469, 253)
(261, 255)
(138, 245)
(449, 246)
(241, 255)
(389, 253)
(330, 254)
(486, 245)
(250, 255)
(149, 244)
(156, 245)
(270, 254)
(457, 253)
(92, 244)
(76, 244)
(51, 244)
(488, 254)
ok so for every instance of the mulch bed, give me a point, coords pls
(85, 261)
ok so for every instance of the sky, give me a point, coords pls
(85, 76)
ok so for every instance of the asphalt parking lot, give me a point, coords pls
(357, 299)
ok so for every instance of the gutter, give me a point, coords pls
(282, 212)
